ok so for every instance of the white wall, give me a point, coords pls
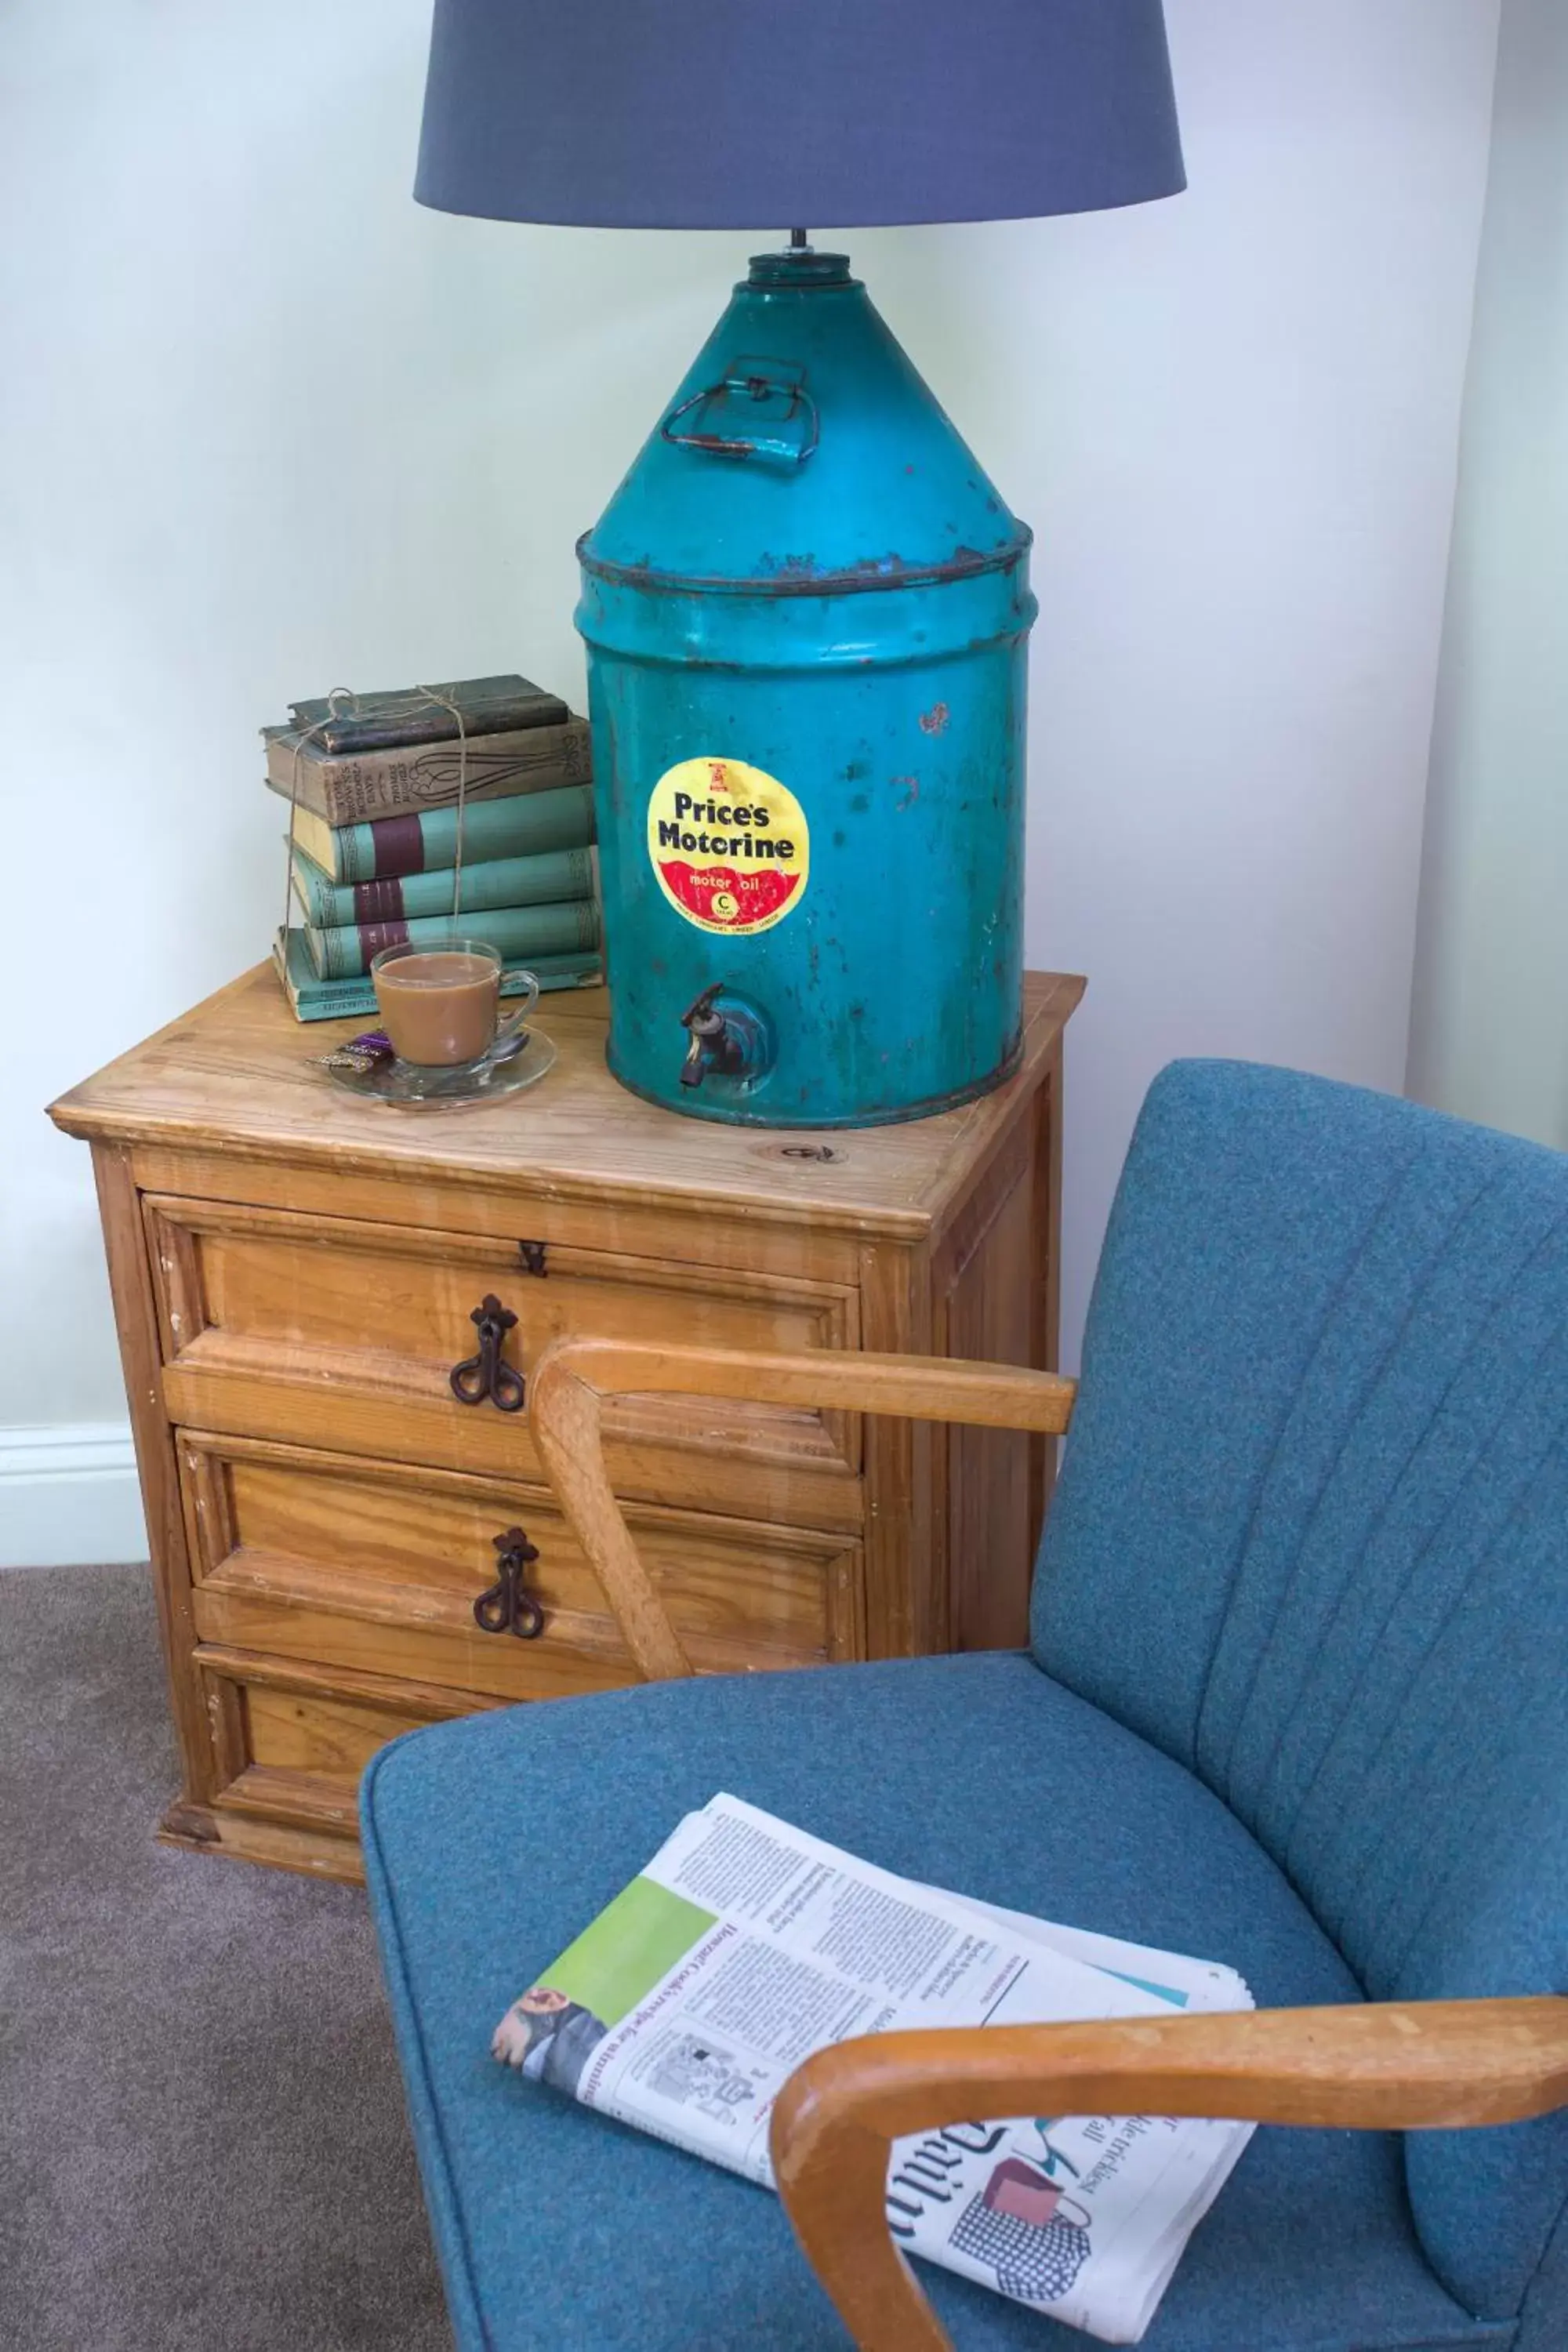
(1490, 1037)
(279, 429)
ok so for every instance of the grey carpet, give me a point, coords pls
(202, 2136)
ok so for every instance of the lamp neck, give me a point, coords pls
(799, 268)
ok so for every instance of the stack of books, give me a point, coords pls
(374, 788)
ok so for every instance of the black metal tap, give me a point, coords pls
(713, 1043)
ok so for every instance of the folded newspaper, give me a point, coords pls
(746, 1944)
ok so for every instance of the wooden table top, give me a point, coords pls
(235, 1073)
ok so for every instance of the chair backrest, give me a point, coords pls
(1311, 1537)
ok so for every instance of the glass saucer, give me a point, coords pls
(412, 1087)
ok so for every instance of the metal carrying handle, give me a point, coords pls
(751, 387)
(508, 1607)
(487, 1374)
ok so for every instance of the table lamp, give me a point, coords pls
(806, 607)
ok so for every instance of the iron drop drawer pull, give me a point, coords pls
(508, 1607)
(486, 1375)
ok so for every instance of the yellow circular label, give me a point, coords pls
(729, 845)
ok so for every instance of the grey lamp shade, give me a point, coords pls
(783, 113)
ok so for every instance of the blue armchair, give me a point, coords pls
(1296, 1698)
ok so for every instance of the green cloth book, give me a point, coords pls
(495, 882)
(311, 999)
(343, 950)
(525, 824)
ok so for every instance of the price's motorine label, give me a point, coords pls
(729, 845)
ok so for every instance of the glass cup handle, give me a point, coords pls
(516, 1020)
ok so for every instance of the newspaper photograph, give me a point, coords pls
(746, 1944)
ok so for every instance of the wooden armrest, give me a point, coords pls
(1395, 2066)
(572, 1378)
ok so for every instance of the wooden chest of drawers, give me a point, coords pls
(296, 1274)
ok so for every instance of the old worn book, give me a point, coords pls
(342, 951)
(313, 999)
(350, 786)
(491, 882)
(487, 706)
(523, 825)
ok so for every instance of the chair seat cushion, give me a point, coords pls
(491, 1842)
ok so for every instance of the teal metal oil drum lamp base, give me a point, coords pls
(806, 608)
(806, 611)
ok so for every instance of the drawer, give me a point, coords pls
(330, 1331)
(289, 1742)
(374, 1567)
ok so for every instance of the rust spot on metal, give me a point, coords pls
(934, 720)
(911, 791)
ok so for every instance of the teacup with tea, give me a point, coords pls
(440, 1006)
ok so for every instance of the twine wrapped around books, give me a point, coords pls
(343, 702)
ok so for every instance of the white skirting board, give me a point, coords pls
(69, 1495)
